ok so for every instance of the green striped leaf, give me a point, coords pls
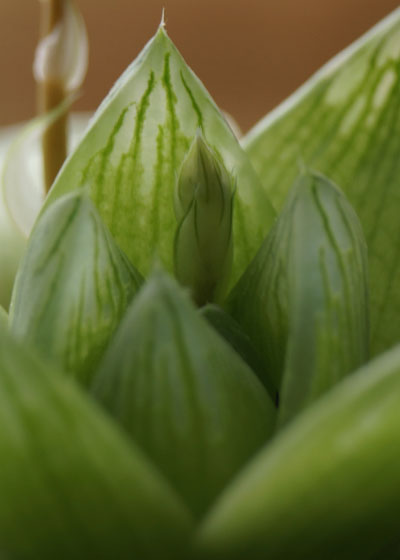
(345, 122)
(73, 286)
(134, 148)
(185, 397)
(71, 485)
(328, 485)
(303, 300)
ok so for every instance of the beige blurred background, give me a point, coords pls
(250, 54)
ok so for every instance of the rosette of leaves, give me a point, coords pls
(136, 425)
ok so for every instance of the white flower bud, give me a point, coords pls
(62, 55)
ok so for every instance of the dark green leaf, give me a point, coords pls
(230, 330)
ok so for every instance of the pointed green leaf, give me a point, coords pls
(345, 122)
(71, 485)
(185, 397)
(134, 148)
(328, 485)
(303, 300)
(230, 330)
(73, 286)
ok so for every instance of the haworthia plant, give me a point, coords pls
(327, 486)
(72, 486)
(303, 299)
(133, 150)
(164, 446)
(345, 122)
(73, 286)
(183, 394)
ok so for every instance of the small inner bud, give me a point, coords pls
(203, 207)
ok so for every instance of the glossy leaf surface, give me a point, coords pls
(73, 286)
(185, 397)
(133, 150)
(72, 486)
(345, 123)
(327, 487)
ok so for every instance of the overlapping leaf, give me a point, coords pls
(133, 150)
(303, 300)
(230, 330)
(185, 397)
(327, 487)
(72, 486)
(73, 286)
(346, 123)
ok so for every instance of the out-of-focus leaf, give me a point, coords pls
(71, 485)
(73, 286)
(3, 318)
(303, 300)
(22, 190)
(345, 122)
(185, 397)
(135, 145)
(230, 330)
(328, 485)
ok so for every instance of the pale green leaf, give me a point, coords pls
(185, 397)
(72, 287)
(345, 122)
(71, 485)
(303, 300)
(133, 150)
(328, 485)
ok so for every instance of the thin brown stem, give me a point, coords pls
(50, 93)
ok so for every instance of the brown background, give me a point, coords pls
(250, 54)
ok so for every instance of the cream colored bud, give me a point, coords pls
(62, 55)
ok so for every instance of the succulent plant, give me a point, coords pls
(200, 358)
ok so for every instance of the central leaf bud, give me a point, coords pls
(203, 207)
